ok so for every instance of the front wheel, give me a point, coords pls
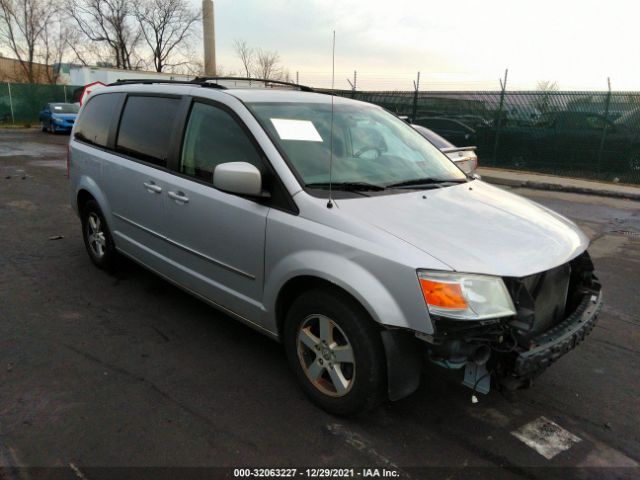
(336, 352)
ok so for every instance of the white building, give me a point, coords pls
(83, 75)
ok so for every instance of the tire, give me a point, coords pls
(43, 127)
(348, 352)
(97, 237)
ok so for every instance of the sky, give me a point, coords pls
(455, 44)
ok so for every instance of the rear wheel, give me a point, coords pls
(97, 237)
(336, 352)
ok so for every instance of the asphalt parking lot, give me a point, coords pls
(125, 370)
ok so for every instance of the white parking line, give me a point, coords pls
(546, 437)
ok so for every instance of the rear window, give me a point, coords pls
(64, 108)
(96, 118)
(146, 127)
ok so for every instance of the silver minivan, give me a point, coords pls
(334, 227)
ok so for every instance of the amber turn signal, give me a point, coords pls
(443, 295)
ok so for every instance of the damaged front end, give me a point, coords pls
(554, 311)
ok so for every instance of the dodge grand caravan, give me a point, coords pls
(333, 226)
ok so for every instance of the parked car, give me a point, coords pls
(566, 138)
(333, 226)
(455, 131)
(464, 157)
(57, 117)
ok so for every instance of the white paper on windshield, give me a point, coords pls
(303, 130)
(56, 107)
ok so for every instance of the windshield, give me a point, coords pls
(433, 137)
(370, 146)
(64, 108)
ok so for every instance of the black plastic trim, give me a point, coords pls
(404, 354)
(562, 338)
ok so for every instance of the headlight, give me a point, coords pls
(465, 296)
(57, 120)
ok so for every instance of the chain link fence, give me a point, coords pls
(21, 103)
(580, 134)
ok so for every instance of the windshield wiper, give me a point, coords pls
(424, 182)
(348, 186)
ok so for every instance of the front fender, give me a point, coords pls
(339, 271)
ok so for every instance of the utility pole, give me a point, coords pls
(503, 88)
(297, 78)
(416, 87)
(604, 130)
(209, 38)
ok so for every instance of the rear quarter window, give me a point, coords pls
(96, 118)
(146, 128)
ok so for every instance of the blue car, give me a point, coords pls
(57, 117)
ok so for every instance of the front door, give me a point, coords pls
(217, 239)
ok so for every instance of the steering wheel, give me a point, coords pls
(367, 148)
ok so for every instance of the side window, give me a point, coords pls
(95, 121)
(146, 127)
(213, 137)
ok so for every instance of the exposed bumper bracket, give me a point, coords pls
(557, 341)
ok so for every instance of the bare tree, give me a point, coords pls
(166, 25)
(23, 29)
(109, 22)
(268, 64)
(246, 54)
(546, 88)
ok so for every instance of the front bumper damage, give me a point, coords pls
(556, 310)
(559, 340)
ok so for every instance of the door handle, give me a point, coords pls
(152, 187)
(178, 197)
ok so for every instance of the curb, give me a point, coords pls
(554, 187)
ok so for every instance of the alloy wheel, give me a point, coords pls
(326, 355)
(95, 235)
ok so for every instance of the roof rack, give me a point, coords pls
(149, 81)
(267, 82)
(212, 82)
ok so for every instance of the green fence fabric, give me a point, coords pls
(28, 99)
(581, 134)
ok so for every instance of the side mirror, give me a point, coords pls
(241, 178)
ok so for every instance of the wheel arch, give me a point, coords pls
(87, 189)
(296, 286)
(403, 353)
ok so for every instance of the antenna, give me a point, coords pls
(333, 92)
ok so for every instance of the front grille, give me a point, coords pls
(549, 292)
(545, 299)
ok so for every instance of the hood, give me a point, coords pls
(474, 228)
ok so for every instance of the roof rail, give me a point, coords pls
(209, 81)
(149, 81)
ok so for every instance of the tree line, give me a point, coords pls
(127, 34)
(156, 35)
